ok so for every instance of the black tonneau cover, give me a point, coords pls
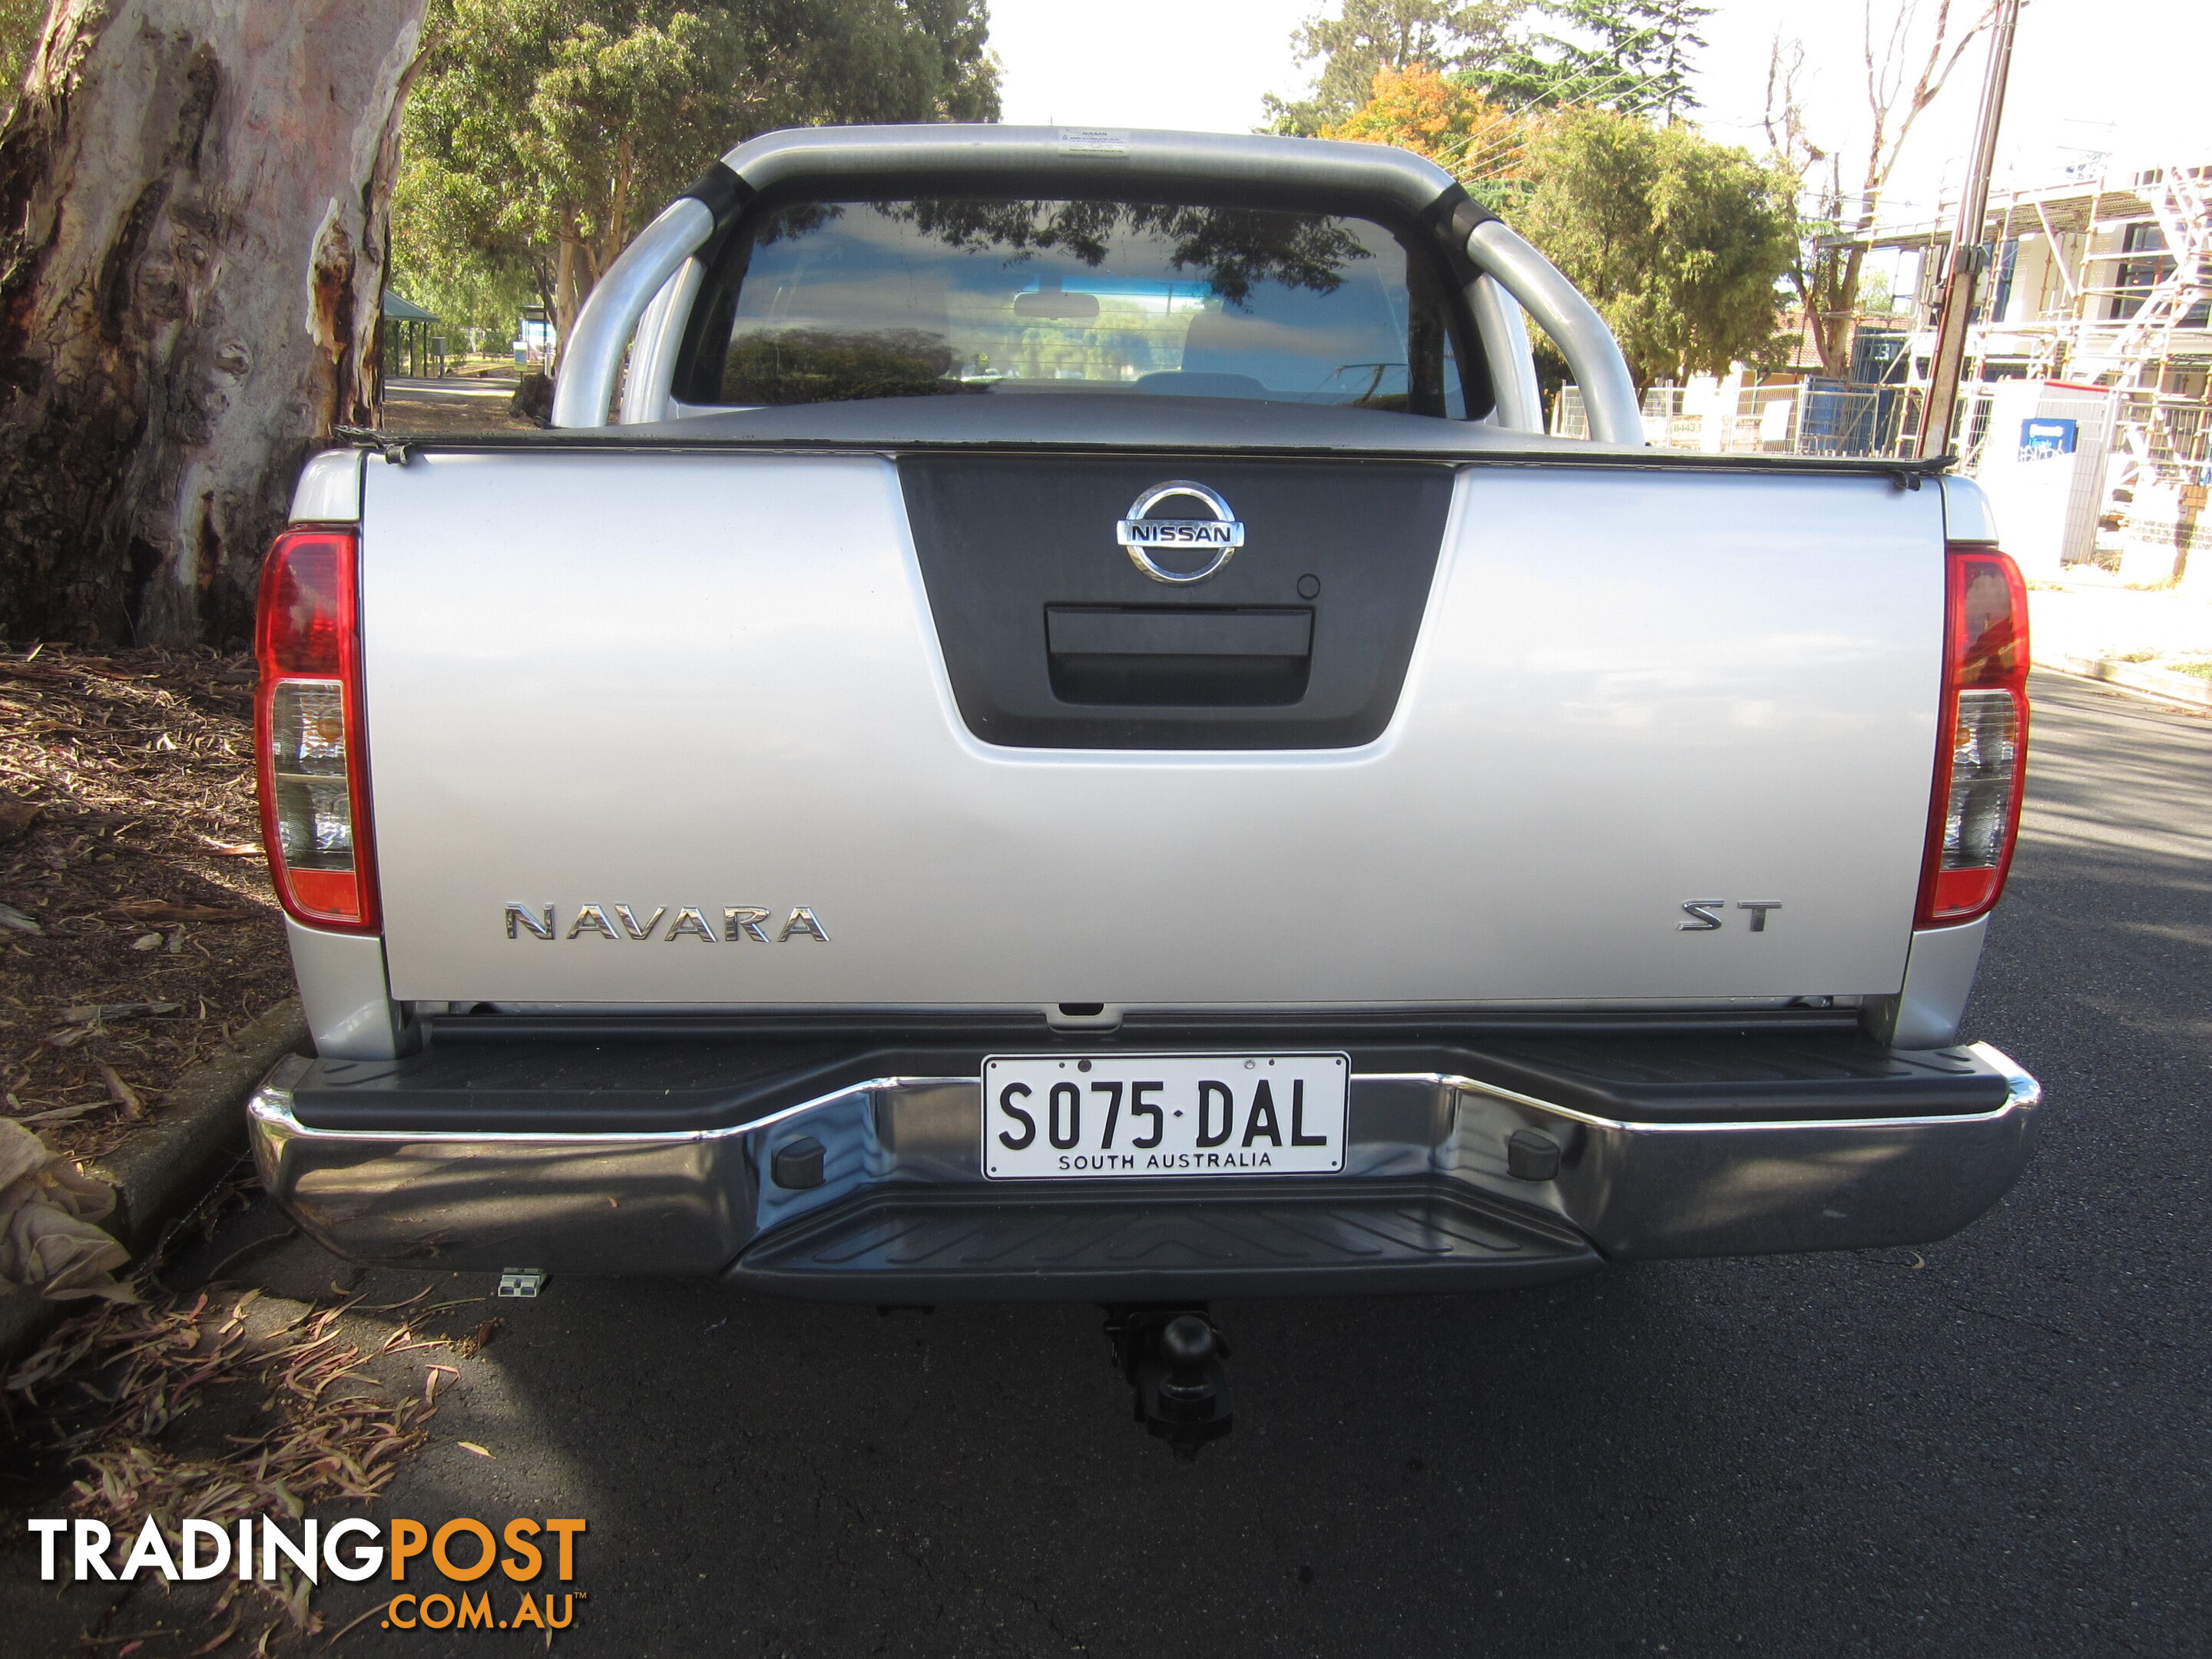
(1130, 423)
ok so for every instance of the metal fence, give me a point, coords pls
(1805, 417)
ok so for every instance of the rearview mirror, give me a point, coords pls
(1057, 304)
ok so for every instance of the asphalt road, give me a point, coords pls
(1997, 1445)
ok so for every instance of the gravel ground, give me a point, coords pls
(412, 408)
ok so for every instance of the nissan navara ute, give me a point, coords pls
(1047, 722)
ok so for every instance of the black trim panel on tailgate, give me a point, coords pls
(1055, 639)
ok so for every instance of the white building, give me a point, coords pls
(2088, 413)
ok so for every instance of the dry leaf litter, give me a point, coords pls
(138, 931)
(222, 1404)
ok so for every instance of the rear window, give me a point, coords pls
(824, 302)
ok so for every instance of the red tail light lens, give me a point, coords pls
(1981, 755)
(308, 735)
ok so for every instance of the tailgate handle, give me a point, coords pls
(1183, 656)
(1183, 631)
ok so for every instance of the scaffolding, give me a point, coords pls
(2127, 319)
(2155, 291)
(2091, 314)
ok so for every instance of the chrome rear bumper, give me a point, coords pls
(1430, 1150)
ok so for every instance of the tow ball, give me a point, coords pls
(1170, 1357)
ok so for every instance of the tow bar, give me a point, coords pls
(1170, 1355)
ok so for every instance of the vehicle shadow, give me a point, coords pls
(1647, 1460)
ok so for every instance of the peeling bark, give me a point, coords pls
(194, 201)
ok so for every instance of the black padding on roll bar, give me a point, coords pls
(722, 192)
(1456, 211)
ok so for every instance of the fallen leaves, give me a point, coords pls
(119, 1091)
(86, 1014)
(474, 1342)
(16, 817)
(112, 1385)
(62, 1114)
(358, 1619)
(217, 1641)
(66, 667)
(126, 841)
(163, 910)
(472, 1446)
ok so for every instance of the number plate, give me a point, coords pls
(1066, 1117)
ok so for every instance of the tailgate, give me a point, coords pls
(676, 730)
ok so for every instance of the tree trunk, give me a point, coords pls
(193, 216)
(571, 282)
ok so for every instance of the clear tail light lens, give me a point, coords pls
(308, 731)
(1981, 760)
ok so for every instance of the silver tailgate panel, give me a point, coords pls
(712, 680)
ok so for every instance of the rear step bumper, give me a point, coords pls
(1110, 1247)
(1432, 1197)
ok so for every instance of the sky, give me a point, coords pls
(2134, 80)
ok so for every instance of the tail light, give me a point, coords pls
(307, 732)
(1981, 754)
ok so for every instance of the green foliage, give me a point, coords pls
(1448, 122)
(542, 134)
(809, 366)
(22, 21)
(1678, 241)
(1627, 55)
(466, 291)
(1371, 36)
(1234, 247)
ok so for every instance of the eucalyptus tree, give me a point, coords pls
(543, 133)
(1907, 53)
(192, 226)
(1680, 242)
(1634, 56)
(1369, 37)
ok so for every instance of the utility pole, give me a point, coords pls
(1967, 253)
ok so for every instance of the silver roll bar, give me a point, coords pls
(1593, 355)
(942, 155)
(1504, 329)
(591, 358)
(652, 353)
(943, 152)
